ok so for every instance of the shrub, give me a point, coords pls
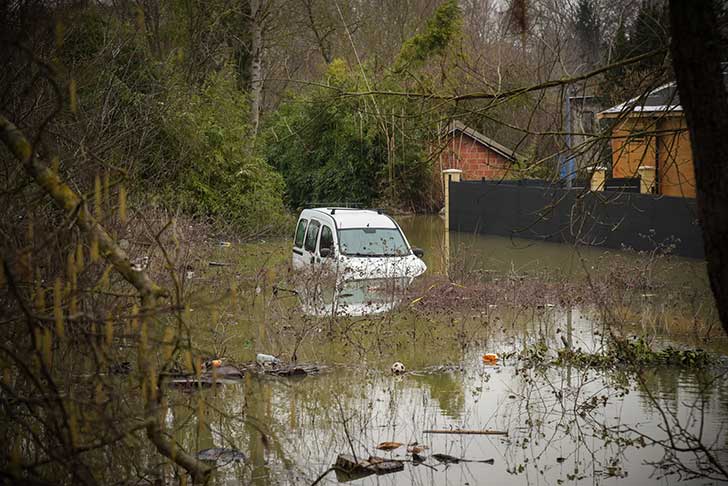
(334, 148)
(218, 174)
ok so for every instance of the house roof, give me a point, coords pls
(664, 99)
(458, 126)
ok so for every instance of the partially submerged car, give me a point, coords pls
(354, 244)
(352, 261)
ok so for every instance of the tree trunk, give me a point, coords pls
(256, 62)
(323, 44)
(696, 60)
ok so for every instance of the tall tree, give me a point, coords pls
(257, 16)
(649, 32)
(696, 54)
(588, 32)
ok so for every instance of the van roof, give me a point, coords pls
(357, 218)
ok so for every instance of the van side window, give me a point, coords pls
(300, 233)
(327, 238)
(312, 235)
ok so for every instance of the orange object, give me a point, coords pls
(490, 358)
(216, 363)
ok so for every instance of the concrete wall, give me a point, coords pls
(612, 220)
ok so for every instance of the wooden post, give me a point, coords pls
(647, 179)
(454, 176)
(598, 177)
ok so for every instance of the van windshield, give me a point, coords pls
(372, 242)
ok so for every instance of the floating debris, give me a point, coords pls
(465, 432)
(382, 465)
(212, 376)
(416, 449)
(490, 358)
(227, 372)
(398, 368)
(354, 468)
(221, 455)
(388, 446)
(292, 370)
(448, 459)
(433, 370)
(267, 360)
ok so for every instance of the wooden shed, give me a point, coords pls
(650, 141)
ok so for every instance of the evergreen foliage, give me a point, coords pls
(188, 144)
(441, 28)
(331, 148)
(218, 173)
(648, 32)
(587, 27)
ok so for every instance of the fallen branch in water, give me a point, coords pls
(465, 431)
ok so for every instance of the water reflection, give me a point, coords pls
(458, 253)
(447, 388)
(320, 296)
(566, 425)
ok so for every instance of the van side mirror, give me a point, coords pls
(325, 252)
(419, 252)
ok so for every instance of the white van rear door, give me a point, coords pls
(311, 242)
(299, 259)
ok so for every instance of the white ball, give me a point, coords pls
(398, 368)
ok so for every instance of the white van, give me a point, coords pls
(355, 244)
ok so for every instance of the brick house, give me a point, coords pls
(475, 154)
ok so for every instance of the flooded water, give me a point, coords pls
(562, 424)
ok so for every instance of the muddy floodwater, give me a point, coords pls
(562, 423)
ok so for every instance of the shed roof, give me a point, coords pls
(664, 99)
(458, 126)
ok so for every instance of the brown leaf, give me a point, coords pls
(388, 446)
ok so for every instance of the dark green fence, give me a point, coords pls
(609, 219)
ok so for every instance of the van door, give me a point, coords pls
(327, 241)
(299, 260)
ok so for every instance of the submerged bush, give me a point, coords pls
(632, 354)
